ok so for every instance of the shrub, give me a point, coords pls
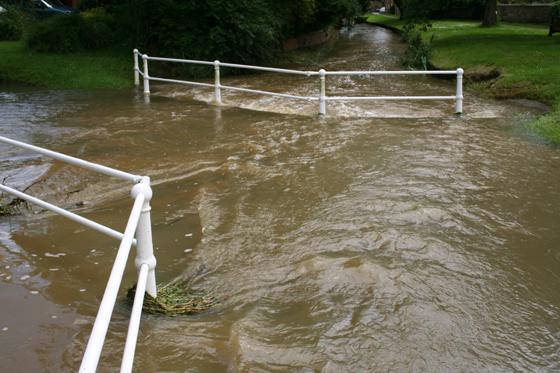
(67, 33)
(12, 24)
(418, 50)
(240, 31)
(99, 15)
(109, 5)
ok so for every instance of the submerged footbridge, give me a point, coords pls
(322, 98)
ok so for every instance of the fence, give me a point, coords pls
(322, 98)
(140, 223)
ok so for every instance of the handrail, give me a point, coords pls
(458, 97)
(67, 214)
(75, 161)
(139, 223)
(97, 336)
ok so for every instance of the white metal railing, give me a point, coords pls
(322, 81)
(140, 223)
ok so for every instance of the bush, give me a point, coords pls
(99, 15)
(240, 31)
(12, 24)
(109, 5)
(418, 51)
(67, 33)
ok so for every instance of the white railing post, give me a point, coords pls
(217, 93)
(322, 93)
(144, 245)
(136, 75)
(146, 76)
(459, 99)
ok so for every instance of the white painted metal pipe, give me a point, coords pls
(144, 245)
(404, 72)
(74, 161)
(136, 75)
(459, 102)
(134, 324)
(322, 93)
(97, 337)
(184, 82)
(146, 75)
(180, 60)
(67, 214)
(270, 69)
(270, 93)
(217, 93)
(260, 68)
(391, 98)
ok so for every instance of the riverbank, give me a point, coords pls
(503, 62)
(106, 69)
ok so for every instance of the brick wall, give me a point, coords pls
(524, 13)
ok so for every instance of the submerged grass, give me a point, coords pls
(177, 298)
(548, 127)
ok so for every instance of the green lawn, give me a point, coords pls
(506, 61)
(108, 69)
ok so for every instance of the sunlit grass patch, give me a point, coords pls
(102, 69)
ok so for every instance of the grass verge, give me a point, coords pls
(506, 61)
(106, 69)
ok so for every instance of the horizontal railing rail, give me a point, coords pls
(139, 224)
(322, 98)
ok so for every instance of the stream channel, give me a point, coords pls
(382, 237)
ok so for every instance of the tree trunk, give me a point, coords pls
(399, 4)
(490, 13)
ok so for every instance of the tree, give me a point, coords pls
(490, 13)
(399, 4)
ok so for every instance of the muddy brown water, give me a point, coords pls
(385, 236)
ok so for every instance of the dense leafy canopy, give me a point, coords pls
(248, 31)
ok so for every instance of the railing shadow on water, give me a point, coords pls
(139, 225)
(322, 74)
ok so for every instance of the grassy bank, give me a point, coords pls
(507, 61)
(107, 69)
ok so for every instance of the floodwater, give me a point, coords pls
(382, 237)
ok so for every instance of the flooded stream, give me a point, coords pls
(383, 237)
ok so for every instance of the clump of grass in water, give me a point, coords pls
(177, 298)
(13, 207)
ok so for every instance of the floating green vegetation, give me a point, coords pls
(13, 207)
(177, 298)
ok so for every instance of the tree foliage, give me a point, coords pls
(11, 24)
(240, 31)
